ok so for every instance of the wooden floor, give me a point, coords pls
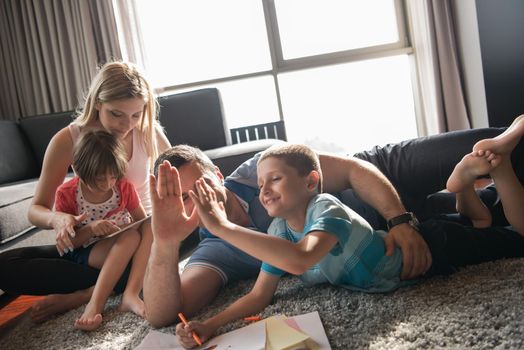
(13, 307)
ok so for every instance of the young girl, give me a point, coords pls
(105, 201)
(493, 157)
(316, 237)
(121, 102)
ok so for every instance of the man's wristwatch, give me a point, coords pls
(407, 217)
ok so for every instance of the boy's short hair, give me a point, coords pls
(182, 154)
(96, 153)
(300, 157)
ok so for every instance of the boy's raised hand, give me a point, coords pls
(210, 210)
(185, 336)
(169, 219)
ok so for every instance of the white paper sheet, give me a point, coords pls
(251, 337)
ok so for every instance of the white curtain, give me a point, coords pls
(443, 104)
(49, 51)
(129, 33)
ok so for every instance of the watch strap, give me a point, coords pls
(407, 217)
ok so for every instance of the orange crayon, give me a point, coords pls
(252, 318)
(193, 333)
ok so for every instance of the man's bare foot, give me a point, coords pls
(470, 167)
(55, 304)
(505, 142)
(90, 320)
(132, 302)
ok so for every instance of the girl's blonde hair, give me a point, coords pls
(118, 81)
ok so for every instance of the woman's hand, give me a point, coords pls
(102, 228)
(184, 333)
(210, 210)
(64, 226)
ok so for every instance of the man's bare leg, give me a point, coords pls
(196, 294)
(508, 185)
(55, 304)
(166, 292)
(462, 182)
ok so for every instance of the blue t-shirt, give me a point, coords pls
(357, 261)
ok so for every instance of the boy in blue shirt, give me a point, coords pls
(313, 235)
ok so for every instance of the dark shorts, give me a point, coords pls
(229, 262)
(80, 255)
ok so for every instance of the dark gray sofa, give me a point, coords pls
(194, 118)
(22, 148)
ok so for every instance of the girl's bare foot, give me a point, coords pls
(470, 167)
(132, 302)
(90, 320)
(505, 142)
(55, 304)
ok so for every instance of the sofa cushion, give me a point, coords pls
(18, 161)
(229, 158)
(15, 200)
(195, 118)
(40, 129)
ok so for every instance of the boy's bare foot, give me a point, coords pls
(132, 302)
(470, 167)
(90, 320)
(55, 304)
(505, 142)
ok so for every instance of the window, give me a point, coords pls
(336, 71)
(310, 28)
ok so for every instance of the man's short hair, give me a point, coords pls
(300, 157)
(180, 155)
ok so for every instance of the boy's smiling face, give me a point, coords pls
(283, 192)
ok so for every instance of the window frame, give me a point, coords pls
(281, 65)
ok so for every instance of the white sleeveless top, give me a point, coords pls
(138, 166)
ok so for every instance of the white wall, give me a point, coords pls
(471, 60)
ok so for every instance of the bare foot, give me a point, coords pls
(55, 304)
(89, 323)
(470, 167)
(132, 302)
(90, 320)
(505, 142)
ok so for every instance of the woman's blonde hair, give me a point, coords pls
(118, 81)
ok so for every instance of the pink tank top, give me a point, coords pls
(138, 166)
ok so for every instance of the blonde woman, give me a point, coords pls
(119, 101)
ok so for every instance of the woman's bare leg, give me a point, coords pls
(462, 182)
(505, 142)
(55, 304)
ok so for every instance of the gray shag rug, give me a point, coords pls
(479, 307)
